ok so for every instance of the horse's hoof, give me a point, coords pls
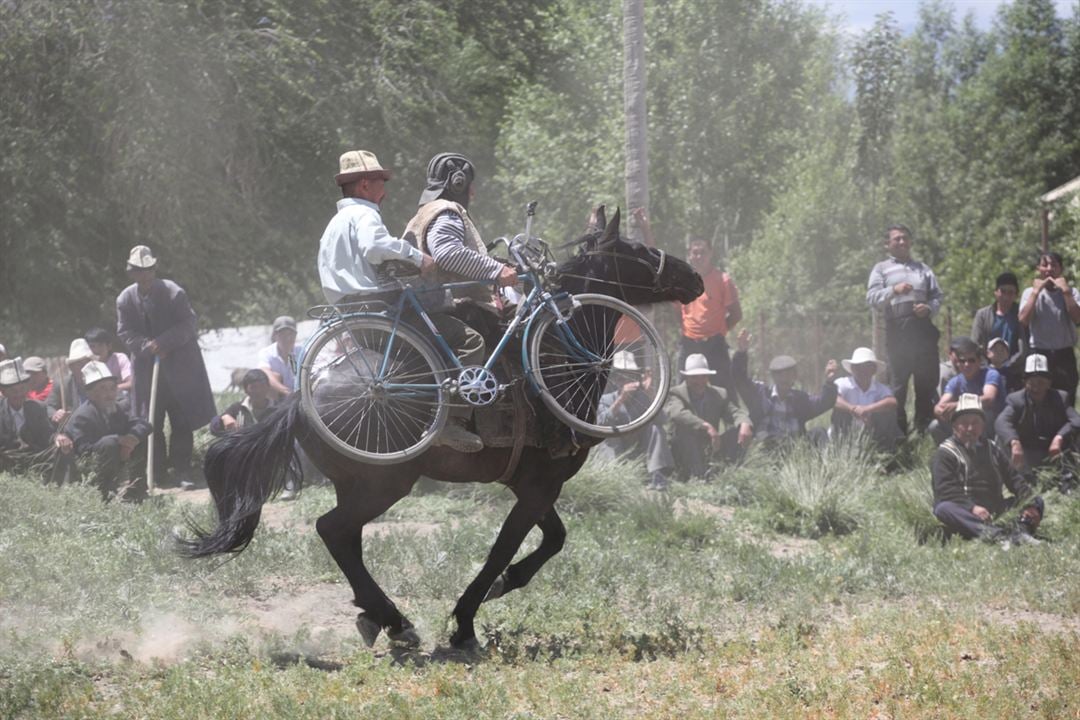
(497, 588)
(468, 646)
(406, 638)
(369, 629)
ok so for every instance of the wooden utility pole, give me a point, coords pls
(637, 130)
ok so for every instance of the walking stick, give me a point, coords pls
(153, 412)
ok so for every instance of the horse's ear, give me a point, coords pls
(611, 231)
(597, 219)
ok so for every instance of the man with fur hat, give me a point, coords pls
(780, 411)
(24, 424)
(68, 394)
(107, 435)
(863, 403)
(696, 409)
(154, 319)
(444, 229)
(969, 474)
(1037, 425)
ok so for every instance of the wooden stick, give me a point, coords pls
(150, 439)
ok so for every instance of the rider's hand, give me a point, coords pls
(507, 277)
(427, 264)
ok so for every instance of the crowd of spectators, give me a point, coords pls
(1003, 413)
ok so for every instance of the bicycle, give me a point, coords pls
(378, 390)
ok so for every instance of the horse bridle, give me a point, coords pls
(657, 271)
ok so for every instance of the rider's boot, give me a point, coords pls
(455, 435)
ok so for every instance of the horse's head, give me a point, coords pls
(609, 264)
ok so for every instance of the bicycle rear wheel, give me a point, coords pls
(594, 378)
(371, 392)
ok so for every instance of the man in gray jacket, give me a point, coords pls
(157, 324)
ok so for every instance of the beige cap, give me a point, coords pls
(140, 258)
(80, 350)
(357, 163)
(94, 372)
(34, 364)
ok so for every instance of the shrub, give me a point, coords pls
(910, 501)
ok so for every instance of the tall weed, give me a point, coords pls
(814, 491)
(910, 501)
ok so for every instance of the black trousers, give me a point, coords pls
(181, 437)
(913, 357)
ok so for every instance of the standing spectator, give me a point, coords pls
(155, 321)
(780, 411)
(907, 291)
(1050, 309)
(24, 425)
(969, 474)
(40, 382)
(696, 409)
(67, 395)
(1001, 319)
(974, 379)
(101, 344)
(106, 435)
(863, 403)
(1037, 425)
(281, 357)
(707, 320)
(620, 406)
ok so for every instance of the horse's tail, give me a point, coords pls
(244, 470)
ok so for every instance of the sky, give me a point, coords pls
(859, 14)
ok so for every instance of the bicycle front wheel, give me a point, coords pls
(372, 392)
(605, 371)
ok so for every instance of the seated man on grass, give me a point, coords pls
(969, 473)
(25, 430)
(256, 405)
(1038, 427)
(106, 439)
(780, 411)
(974, 378)
(696, 409)
(864, 404)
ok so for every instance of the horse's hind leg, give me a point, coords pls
(520, 573)
(341, 530)
(534, 502)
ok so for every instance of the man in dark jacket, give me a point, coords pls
(780, 411)
(155, 321)
(1037, 425)
(1001, 319)
(705, 423)
(25, 429)
(969, 474)
(104, 433)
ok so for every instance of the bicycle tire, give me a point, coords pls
(574, 377)
(355, 389)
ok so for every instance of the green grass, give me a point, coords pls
(779, 590)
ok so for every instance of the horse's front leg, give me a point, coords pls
(341, 530)
(532, 505)
(520, 573)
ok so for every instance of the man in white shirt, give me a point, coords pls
(865, 404)
(356, 240)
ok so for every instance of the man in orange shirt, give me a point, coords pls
(707, 320)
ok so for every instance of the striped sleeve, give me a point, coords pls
(446, 243)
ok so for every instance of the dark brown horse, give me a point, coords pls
(246, 469)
